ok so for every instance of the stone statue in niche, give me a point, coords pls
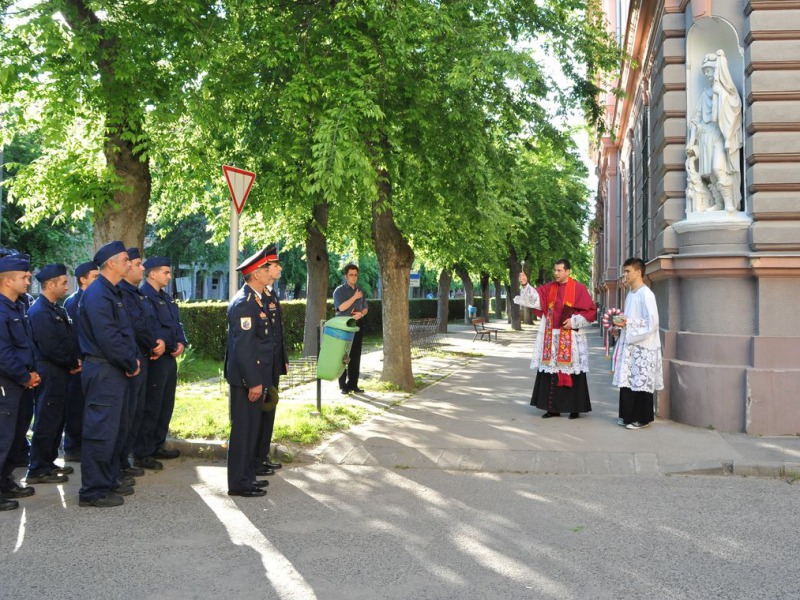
(715, 140)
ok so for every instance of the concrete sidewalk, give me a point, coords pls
(478, 418)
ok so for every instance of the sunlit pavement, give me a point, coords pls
(445, 496)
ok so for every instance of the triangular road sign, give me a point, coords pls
(239, 183)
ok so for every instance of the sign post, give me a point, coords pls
(240, 182)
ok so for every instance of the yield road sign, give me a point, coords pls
(239, 183)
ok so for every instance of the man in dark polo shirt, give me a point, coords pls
(349, 301)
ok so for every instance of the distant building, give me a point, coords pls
(702, 181)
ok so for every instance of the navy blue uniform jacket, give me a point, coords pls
(251, 345)
(142, 316)
(105, 330)
(168, 318)
(54, 337)
(16, 342)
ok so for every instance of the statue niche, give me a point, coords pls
(713, 173)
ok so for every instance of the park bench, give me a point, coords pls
(482, 330)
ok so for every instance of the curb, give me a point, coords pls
(767, 469)
(217, 449)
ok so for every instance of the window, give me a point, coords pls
(645, 184)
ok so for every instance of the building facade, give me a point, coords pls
(701, 179)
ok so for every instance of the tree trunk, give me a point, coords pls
(498, 298)
(469, 294)
(443, 304)
(514, 269)
(395, 258)
(318, 275)
(485, 304)
(125, 218)
(527, 313)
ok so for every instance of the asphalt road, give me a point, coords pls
(461, 492)
(358, 532)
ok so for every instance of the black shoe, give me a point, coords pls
(574, 415)
(357, 390)
(46, 478)
(148, 462)
(122, 490)
(261, 483)
(18, 491)
(132, 471)
(345, 391)
(272, 465)
(65, 470)
(123, 480)
(549, 414)
(265, 471)
(106, 501)
(254, 493)
(72, 458)
(7, 504)
(165, 454)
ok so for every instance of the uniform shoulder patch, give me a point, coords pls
(245, 323)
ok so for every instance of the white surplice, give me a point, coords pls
(638, 352)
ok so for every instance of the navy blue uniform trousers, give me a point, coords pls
(12, 395)
(243, 443)
(105, 389)
(20, 450)
(162, 377)
(73, 415)
(137, 386)
(48, 420)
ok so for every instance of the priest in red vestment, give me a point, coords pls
(561, 353)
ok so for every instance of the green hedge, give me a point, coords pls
(206, 327)
(205, 323)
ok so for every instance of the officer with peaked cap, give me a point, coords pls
(249, 371)
(85, 273)
(18, 376)
(143, 318)
(162, 376)
(110, 358)
(57, 357)
(264, 466)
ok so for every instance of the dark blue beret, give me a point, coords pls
(157, 261)
(107, 251)
(84, 268)
(133, 253)
(15, 262)
(50, 271)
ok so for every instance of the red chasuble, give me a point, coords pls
(560, 302)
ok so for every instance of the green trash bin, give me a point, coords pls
(334, 352)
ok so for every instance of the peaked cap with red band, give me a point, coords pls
(266, 255)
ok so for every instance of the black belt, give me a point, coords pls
(96, 358)
(50, 362)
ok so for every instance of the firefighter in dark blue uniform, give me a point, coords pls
(85, 273)
(280, 364)
(18, 376)
(110, 358)
(143, 318)
(249, 372)
(19, 454)
(162, 376)
(57, 357)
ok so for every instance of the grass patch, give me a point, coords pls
(201, 412)
(295, 424)
(199, 369)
